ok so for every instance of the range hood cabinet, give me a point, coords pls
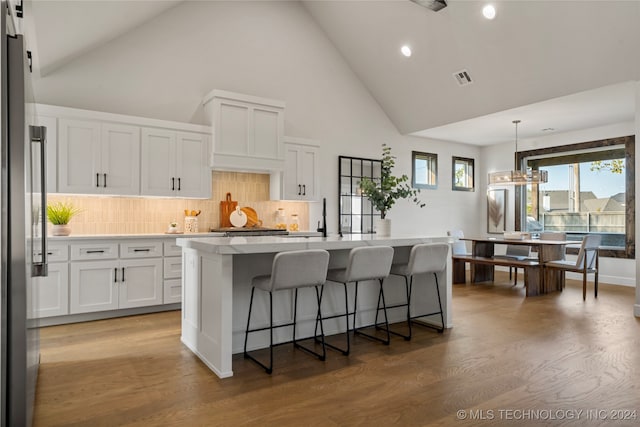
(248, 132)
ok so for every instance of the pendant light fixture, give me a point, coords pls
(516, 176)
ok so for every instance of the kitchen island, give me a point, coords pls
(216, 279)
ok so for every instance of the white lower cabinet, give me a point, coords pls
(172, 291)
(93, 286)
(111, 285)
(106, 275)
(172, 272)
(140, 283)
(132, 278)
(51, 293)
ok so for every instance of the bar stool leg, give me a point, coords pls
(386, 320)
(441, 330)
(346, 351)
(246, 335)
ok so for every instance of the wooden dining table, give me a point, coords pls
(483, 261)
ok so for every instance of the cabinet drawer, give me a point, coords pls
(56, 252)
(172, 267)
(172, 291)
(91, 251)
(171, 249)
(141, 249)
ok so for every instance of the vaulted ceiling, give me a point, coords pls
(568, 63)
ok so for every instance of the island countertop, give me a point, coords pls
(267, 244)
(216, 289)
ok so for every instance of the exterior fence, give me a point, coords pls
(610, 224)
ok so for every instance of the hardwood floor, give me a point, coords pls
(505, 354)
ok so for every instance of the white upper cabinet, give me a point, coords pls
(98, 158)
(301, 181)
(175, 164)
(248, 131)
(120, 159)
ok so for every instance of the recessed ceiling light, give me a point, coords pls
(548, 129)
(489, 11)
(406, 50)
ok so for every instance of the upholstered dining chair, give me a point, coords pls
(586, 262)
(290, 270)
(458, 247)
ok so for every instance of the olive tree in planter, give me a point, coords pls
(383, 194)
(59, 215)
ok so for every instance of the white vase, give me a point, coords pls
(61, 229)
(383, 227)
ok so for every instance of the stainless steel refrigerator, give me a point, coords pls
(23, 229)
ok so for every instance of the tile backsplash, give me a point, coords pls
(136, 215)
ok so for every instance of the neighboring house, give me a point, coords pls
(559, 199)
(602, 205)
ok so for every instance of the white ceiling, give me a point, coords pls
(69, 29)
(588, 109)
(563, 64)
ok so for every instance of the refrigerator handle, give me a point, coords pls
(38, 135)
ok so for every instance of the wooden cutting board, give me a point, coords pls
(226, 207)
(252, 217)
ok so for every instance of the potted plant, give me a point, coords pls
(59, 214)
(384, 193)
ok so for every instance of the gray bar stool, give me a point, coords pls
(424, 258)
(365, 263)
(290, 270)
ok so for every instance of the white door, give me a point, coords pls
(93, 286)
(158, 162)
(120, 158)
(193, 174)
(52, 292)
(79, 157)
(142, 284)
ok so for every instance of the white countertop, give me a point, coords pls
(158, 236)
(266, 244)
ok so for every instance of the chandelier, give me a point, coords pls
(518, 177)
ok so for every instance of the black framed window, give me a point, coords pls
(424, 171)
(462, 170)
(356, 213)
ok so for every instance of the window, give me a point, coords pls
(591, 189)
(356, 213)
(425, 170)
(462, 174)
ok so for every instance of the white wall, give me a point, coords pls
(500, 157)
(269, 49)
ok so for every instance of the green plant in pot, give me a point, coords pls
(59, 214)
(384, 193)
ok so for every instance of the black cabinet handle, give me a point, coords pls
(101, 251)
(173, 184)
(97, 180)
(115, 275)
(141, 250)
(299, 190)
(304, 189)
(178, 184)
(105, 180)
(123, 274)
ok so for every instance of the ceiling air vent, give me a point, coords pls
(434, 5)
(463, 78)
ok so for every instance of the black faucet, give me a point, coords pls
(324, 218)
